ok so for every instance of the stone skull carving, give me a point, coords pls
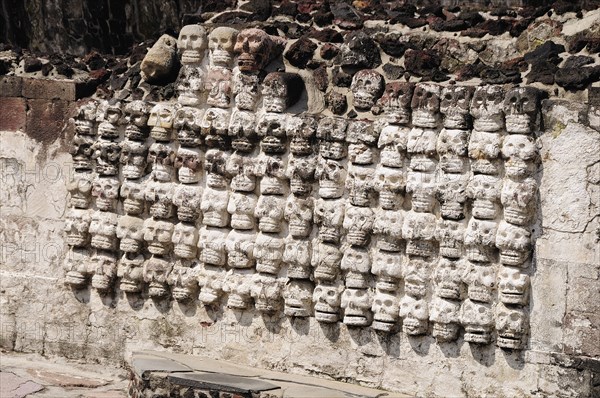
(332, 176)
(158, 234)
(188, 199)
(452, 195)
(302, 130)
(81, 151)
(480, 238)
(386, 309)
(484, 149)
(326, 260)
(357, 305)
(394, 104)
(362, 137)
(421, 146)
(390, 183)
(110, 116)
(189, 165)
(187, 122)
(219, 87)
(298, 298)
(185, 240)
(130, 231)
(301, 172)
(445, 315)
(480, 281)
(241, 207)
(162, 158)
(272, 171)
(107, 154)
(415, 316)
(216, 170)
(271, 130)
(513, 286)
(159, 195)
(299, 215)
(478, 320)
(452, 149)
(521, 153)
(486, 108)
(327, 299)
(133, 159)
(266, 290)
(281, 90)
(256, 48)
(80, 191)
(136, 118)
(270, 213)
(514, 243)
(329, 216)
(214, 126)
(360, 185)
(416, 276)
(106, 192)
(213, 246)
(183, 282)
(210, 280)
(358, 221)
(104, 270)
(392, 142)
(131, 273)
(134, 197)
(161, 120)
(238, 285)
(450, 235)
(190, 83)
(455, 105)
(103, 228)
(388, 268)
(191, 43)
(512, 325)
(160, 60)
(297, 255)
(77, 225)
(332, 129)
(243, 172)
(240, 249)
(425, 105)
(419, 231)
(485, 192)
(447, 278)
(367, 86)
(221, 41)
(77, 266)
(214, 207)
(518, 199)
(245, 91)
(268, 251)
(85, 118)
(388, 227)
(356, 262)
(521, 107)
(156, 271)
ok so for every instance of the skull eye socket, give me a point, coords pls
(481, 310)
(513, 100)
(429, 94)
(330, 293)
(514, 316)
(448, 96)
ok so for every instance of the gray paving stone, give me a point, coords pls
(143, 364)
(221, 382)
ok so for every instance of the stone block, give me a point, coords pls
(10, 86)
(582, 334)
(46, 119)
(49, 89)
(14, 113)
(584, 289)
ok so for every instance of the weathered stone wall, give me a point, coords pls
(97, 320)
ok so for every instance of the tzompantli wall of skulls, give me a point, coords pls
(413, 217)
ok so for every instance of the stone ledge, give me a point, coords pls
(49, 89)
(11, 86)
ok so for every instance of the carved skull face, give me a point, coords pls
(77, 266)
(188, 199)
(423, 194)
(133, 159)
(447, 278)
(269, 211)
(191, 44)
(392, 142)
(110, 115)
(416, 275)
(298, 298)
(512, 325)
(106, 192)
(157, 234)
(358, 261)
(266, 291)
(211, 281)
(386, 307)
(106, 154)
(183, 283)
(280, 90)
(480, 238)
(189, 165)
(213, 246)
(360, 185)
(82, 152)
(215, 166)
(513, 286)
(245, 90)
(214, 207)
(327, 301)
(80, 191)
(85, 116)
(242, 206)
(130, 231)
(220, 43)
(156, 271)
(367, 87)
(162, 158)
(161, 121)
(388, 225)
(271, 130)
(332, 129)
(77, 225)
(326, 259)
(299, 214)
(238, 284)
(160, 197)
(133, 195)
(514, 243)
(388, 268)
(450, 235)
(419, 230)
(190, 84)
(521, 105)
(241, 129)
(104, 266)
(480, 281)
(331, 175)
(272, 171)
(485, 192)
(422, 141)
(136, 117)
(452, 195)
(389, 183)
(478, 320)
(185, 240)
(426, 105)
(187, 122)
(329, 216)
(357, 305)
(301, 171)
(517, 197)
(452, 150)
(395, 102)
(455, 104)
(445, 317)
(359, 223)
(521, 152)
(219, 87)
(255, 49)
(103, 229)
(240, 248)
(160, 60)
(484, 149)
(214, 126)
(486, 108)
(130, 271)
(415, 315)
(297, 254)
(243, 172)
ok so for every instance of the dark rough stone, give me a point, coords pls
(494, 27)
(321, 78)
(352, 114)
(577, 78)
(340, 78)
(329, 51)
(562, 7)
(117, 83)
(411, 22)
(14, 113)
(45, 119)
(519, 27)
(454, 25)
(393, 72)
(47, 68)
(421, 62)
(32, 64)
(221, 382)
(472, 18)
(548, 51)
(360, 51)
(216, 5)
(336, 102)
(95, 61)
(300, 52)
(308, 6)
(291, 30)
(4, 67)
(11, 86)
(260, 9)
(432, 10)
(577, 61)
(286, 8)
(345, 16)
(438, 76)
(391, 45)
(65, 70)
(303, 18)
(323, 18)
(543, 72)
(500, 76)
(326, 35)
